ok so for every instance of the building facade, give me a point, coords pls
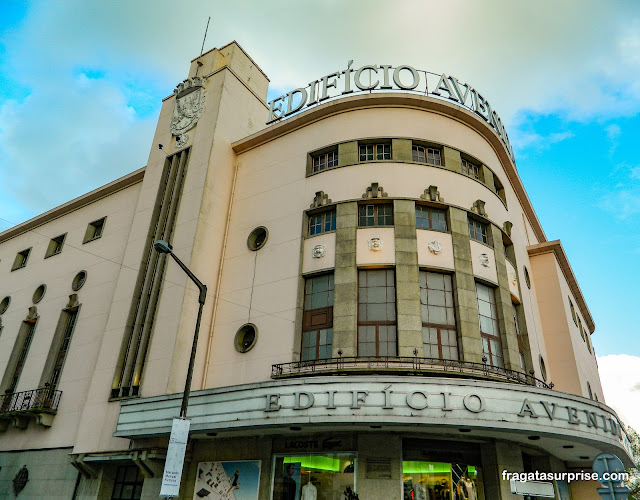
(385, 315)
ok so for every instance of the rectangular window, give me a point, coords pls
(439, 335)
(374, 152)
(55, 245)
(489, 330)
(377, 313)
(478, 231)
(379, 214)
(431, 218)
(309, 476)
(423, 154)
(520, 340)
(322, 222)
(317, 322)
(21, 259)
(128, 484)
(470, 169)
(94, 230)
(22, 356)
(438, 480)
(70, 323)
(325, 161)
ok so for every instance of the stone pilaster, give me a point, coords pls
(503, 301)
(345, 302)
(452, 159)
(407, 278)
(470, 345)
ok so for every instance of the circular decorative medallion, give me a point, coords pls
(375, 244)
(318, 251)
(435, 247)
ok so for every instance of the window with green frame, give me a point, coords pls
(431, 218)
(374, 152)
(377, 214)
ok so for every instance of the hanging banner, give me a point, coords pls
(175, 458)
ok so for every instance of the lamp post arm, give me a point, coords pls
(201, 287)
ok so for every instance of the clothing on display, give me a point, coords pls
(309, 492)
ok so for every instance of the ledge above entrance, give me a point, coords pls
(493, 409)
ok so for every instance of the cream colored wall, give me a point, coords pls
(555, 324)
(478, 251)
(272, 190)
(328, 261)
(365, 256)
(585, 363)
(442, 260)
(101, 260)
(513, 279)
(239, 113)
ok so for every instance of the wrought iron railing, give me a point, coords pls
(33, 401)
(404, 365)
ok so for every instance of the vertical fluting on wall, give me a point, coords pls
(139, 326)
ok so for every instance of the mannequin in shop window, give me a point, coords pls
(309, 491)
(466, 489)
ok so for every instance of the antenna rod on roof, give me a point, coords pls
(205, 35)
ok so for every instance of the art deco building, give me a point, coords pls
(384, 316)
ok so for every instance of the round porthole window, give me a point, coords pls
(526, 277)
(257, 238)
(39, 293)
(543, 369)
(79, 281)
(246, 337)
(4, 305)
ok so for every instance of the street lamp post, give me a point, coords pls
(174, 463)
(164, 247)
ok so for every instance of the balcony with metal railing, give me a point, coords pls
(20, 407)
(400, 365)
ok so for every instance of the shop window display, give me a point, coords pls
(327, 476)
(441, 481)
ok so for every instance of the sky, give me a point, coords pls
(81, 85)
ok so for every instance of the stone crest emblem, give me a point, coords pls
(435, 247)
(484, 260)
(375, 244)
(318, 251)
(189, 106)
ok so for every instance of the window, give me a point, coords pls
(322, 222)
(543, 369)
(431, 218)
(69, 321)
(438, 319)
(26, 335)
(305, 476)
(94, 230)
(324, 161)
(379, 214)
(128, 484)
(55, 246)
(573, 312)
(317, 322)
(499, 188)
(478, 231)
(377, 313)
(424, 154)
(488, 319)
(588, 342)
(470, 170)
(21, 259)
(371, 152)
(519, 336)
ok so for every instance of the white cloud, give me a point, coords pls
(620, 379)
(578, 58)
